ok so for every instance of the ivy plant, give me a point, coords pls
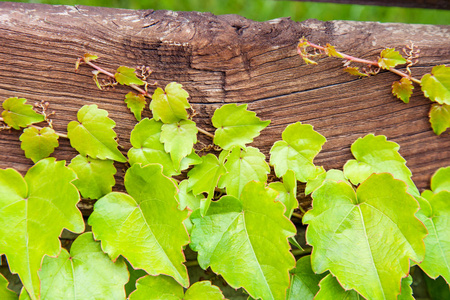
(227, 202)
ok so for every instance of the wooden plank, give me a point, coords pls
(222, 59)
(434, 4)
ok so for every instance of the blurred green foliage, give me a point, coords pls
(262, 10)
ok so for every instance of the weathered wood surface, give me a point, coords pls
(222, 59)
(436, 4)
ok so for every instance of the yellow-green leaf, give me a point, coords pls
(34, 211)
(331, 51)
(439, 117)
(366, 238)
(403, 89)
(355, 71)
(127, 76)
(135, 103)
(389, 58)
(436, 85)
(38, 143)
(170, 105)
(18, 114)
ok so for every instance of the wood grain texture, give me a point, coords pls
(435, 4)
(221, 59)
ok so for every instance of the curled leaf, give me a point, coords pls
(355, 71)
(403, 89)
(331, 51)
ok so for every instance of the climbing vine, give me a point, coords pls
(368, 223)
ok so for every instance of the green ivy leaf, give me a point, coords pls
(186, 197)
(287, 192)
(304, 282)
(331, 289)
(170, 106)
(373, 228)
(245, 240)
(406, 290)
(236, 126)
(436, 85)
(145, 225)
(35, 209)
(85, 273)
(374, 154)
(38, 144)
(389, 58)
(93, 134)
(439, 118)
(95, 177)
(296, 151)
(441, 180)
(203, 290)
(203, 178)
(243, 166)
(135, 104)
(18, 114)
(165, 288)
(147, 148)
(5, 293)
(313, 184)
(179, 139)
(403, 89)
(437, 242)
(126, 76)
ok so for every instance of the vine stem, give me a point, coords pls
(205, 132)
(365, 61)
(62, 135)
(111, 75)
(297, 215)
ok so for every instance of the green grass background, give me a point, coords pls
(262, 10)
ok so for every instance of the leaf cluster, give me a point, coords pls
(435, 85)
(368, 222)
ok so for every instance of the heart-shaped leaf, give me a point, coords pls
(236, 126)
(439, 118)
(145, 225)
(389, 58)
(85, 273)
(374, 154)
(34, 211)
(243, 166)
(403, 89)
(296, 151)
(246, 241)
(93, 134)
(38, 143)
(170, 105)
(373, 228)
(179, 139)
